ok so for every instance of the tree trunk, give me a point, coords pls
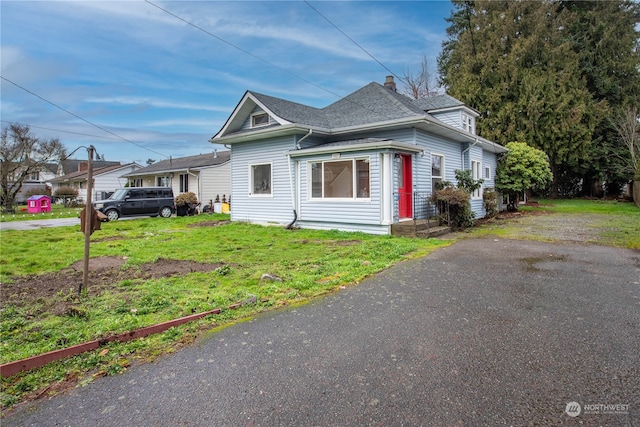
(555, 183)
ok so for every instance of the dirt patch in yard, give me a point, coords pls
(104, 274)
(208, 224)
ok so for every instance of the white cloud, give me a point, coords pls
(157, 103)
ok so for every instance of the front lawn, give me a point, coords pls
(155, 270)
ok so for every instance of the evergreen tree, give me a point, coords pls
(520, 65)
(604, 35)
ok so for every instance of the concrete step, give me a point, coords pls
(409, 228)
(433, 232)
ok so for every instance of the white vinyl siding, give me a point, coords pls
(215, 181)
(490, 162)
(278, 207)
(104, 183)
(452, 118)
(343, 214)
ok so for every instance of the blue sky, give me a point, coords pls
(145, 76)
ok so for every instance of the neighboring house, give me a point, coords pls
(37, 180)
(363, 163)
(106, 179)
(68, 166)
(206, 175)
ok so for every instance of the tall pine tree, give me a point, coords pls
(519, 64)
(604, 35)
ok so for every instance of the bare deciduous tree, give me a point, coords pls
(627, 124)
(420, 84)
(21, 155)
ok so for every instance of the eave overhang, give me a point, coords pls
(424, 122)
(366, 146)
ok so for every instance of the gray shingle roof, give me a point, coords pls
(372, 103)
(83, 174)
(293, 111)
(438, 102)
(183, 163)
(74, 165)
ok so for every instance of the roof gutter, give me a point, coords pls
(356, 147)
(250, 136)
(465, 152)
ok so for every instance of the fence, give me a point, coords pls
(424, 209)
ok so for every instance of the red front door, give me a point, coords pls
(405, 187)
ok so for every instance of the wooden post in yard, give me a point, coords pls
(88, 210)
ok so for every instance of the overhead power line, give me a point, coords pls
(284, 70)
(58, 130)
(354, 42)
(81, 118)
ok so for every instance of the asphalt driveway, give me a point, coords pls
(484, 332)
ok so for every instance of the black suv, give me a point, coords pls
(134, 201)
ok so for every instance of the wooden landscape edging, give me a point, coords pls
(12, 368)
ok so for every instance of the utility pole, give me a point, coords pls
(87, 224)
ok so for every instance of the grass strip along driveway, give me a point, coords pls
(153, 270)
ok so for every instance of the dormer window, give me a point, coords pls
(468, 123)
(260, 119)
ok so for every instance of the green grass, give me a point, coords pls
(57, 211)
(612, 223)
(310, 263)
(587, 206)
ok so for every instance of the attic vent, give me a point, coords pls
(261, 119)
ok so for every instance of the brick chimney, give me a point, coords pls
(390, 84)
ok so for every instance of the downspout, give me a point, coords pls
(198, 179)
(293, 198)
(465, 151)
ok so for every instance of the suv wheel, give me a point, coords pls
(165, 212)
(113, 215)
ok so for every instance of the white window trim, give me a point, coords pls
(270, 195)
(468, 123)
(354, 181)
(487, 173)
(476, 174)
(262, 113)
(442, 168)
(184, 179)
